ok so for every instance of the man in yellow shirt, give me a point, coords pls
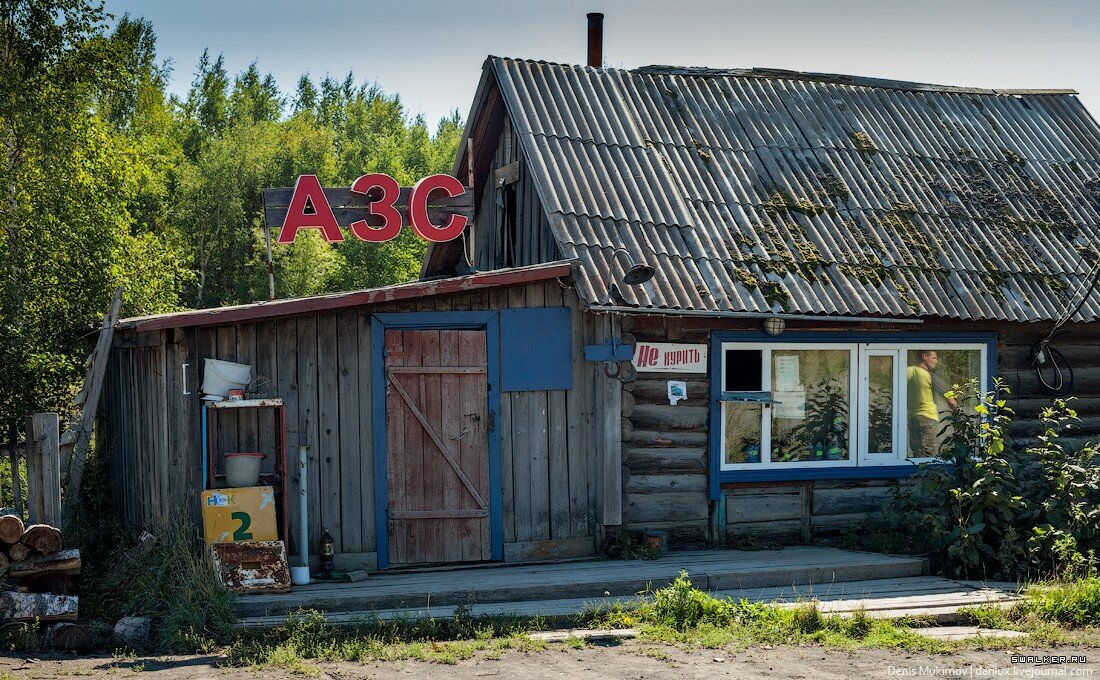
(924, 416)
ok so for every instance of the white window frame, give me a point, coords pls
(859, 396)
(902, 409)
(766, 462)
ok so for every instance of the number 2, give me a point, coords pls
(242, 533)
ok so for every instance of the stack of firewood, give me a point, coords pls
(41, 581)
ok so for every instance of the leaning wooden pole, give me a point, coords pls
(75, 443)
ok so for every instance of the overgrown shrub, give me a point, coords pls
(681, 606)
(1000, 510)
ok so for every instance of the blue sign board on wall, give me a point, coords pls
(536, 347)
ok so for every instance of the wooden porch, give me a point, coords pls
(565, 587)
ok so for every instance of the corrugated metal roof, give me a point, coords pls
(756, 191)
(356, 298)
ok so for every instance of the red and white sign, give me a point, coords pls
(666, 357)
(309, 209)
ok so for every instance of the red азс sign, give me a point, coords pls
(309, 194)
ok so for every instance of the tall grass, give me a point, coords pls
(1075, 603)
(170, 578)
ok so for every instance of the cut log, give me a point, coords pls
(31, 606)
(64, 562)
(42, 538)
(11, 529)
(18, 552)
(69, 636)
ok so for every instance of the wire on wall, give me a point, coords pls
(1044, 353)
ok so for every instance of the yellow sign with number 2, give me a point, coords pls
(241, 514)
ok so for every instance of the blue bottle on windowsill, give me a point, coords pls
(752, 453)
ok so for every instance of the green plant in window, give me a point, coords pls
(880, 419)
(824, 432)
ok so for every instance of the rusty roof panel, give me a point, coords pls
(762, 190)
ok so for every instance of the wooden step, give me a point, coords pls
(712, 570)
(930, 598)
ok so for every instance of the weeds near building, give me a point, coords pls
(1001, 509)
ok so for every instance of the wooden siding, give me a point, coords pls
(320, 364)
(535, 244)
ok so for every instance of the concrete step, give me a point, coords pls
(713, 570)
(930, 598)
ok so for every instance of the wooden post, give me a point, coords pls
(13, 457)
(34, 477)
(610, 411)
(270, 264)
(47, 432)
(74, 446)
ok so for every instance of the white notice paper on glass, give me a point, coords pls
(786, 373)
(790, 403)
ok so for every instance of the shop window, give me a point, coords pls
(742, 422)
(788, 405)
(813, 397)
(930, 373)
(882, 400)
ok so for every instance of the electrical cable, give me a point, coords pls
(1043, 351)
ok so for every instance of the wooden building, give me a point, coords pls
(829, 242)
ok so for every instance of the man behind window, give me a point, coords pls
(924, 417)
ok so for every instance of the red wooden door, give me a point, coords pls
(437, 447)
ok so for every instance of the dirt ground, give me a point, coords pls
(632, 660)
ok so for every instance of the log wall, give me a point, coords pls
(665, 448)
(553, 445)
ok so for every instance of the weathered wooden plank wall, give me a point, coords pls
(534, 242)
(321, 366)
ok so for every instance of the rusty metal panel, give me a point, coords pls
(256, 567)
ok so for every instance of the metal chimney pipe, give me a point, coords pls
(595, 39)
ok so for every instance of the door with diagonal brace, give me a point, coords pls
(437, 446)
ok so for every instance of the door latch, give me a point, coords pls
(491, 425)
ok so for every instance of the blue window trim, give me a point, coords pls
(380, 323)
(719, 477)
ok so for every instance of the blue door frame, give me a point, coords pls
(423, 321)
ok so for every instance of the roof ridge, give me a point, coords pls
(767, 72)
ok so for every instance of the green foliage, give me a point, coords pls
(1001, 510)
(682, 614)
(106, 180)
(628, 545)
(877, 535)
(682, 606)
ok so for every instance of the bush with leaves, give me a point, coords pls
(1002, 510)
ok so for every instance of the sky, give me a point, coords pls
(430, 52)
